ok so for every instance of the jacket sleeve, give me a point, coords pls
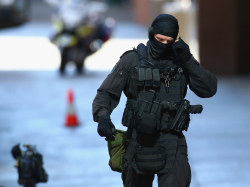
(202, 82)
(109, 93)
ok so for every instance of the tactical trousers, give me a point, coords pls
(178, 176)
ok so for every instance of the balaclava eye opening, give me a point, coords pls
(164, 24)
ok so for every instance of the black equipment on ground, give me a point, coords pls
(29, 165)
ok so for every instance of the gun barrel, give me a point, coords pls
(195, 109)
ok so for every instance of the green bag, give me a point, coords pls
(117, 150)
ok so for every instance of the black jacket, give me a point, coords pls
(123, 78)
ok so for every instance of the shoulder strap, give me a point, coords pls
(126, 52)
(142, 51)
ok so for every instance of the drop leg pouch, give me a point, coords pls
(149, 159)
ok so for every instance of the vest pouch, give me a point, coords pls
(147, 118)
(156, 78)
(150, 159)
(147, 124)
(127, 117)
(148, 77)
(141, 77)
(128, 114)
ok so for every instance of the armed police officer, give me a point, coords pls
(154, 78)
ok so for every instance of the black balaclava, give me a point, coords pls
(167, 25)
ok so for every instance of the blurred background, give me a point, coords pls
(50, 49)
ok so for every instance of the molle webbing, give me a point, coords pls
(151, 75)
(131, 103)
(146, 158)
(147, 98)
(148, 77)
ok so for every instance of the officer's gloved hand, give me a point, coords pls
(106, 129)
(182, 50)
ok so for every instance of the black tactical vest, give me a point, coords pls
(161, 85)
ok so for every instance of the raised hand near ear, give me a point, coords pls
(182, 50)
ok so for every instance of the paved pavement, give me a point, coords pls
(219, 138)
(33, 109)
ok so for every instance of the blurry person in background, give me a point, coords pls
(80, 30)
(154, 78)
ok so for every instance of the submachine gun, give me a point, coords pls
(183, 111)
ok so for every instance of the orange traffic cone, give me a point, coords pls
(71, 119)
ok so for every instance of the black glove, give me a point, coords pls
(182, 49)
(106, 128)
